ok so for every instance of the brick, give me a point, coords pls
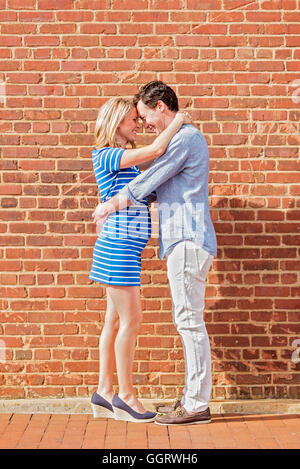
(151, 16)
(207, 5)
(55, 4)
(67, 304)
(233, 66)
(51, 292)
(84, 292)
(41, 41)
(73, 16)
(17, 4)
(93, 5)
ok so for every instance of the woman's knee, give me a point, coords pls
(127, 302)
(112, 320)
(131, 321)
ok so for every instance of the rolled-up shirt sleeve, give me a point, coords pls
(162, 169)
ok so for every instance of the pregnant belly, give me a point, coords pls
(131, 223)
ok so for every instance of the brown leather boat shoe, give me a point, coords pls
(180, 416)
(169, 408)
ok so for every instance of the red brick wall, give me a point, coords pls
(235, 65)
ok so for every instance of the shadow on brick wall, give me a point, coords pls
(252, 301)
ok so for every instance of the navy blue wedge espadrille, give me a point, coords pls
(102, 409)
(122, 411)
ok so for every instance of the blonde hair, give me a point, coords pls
(109, 118)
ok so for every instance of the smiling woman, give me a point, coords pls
(117, 253)
(128, 128)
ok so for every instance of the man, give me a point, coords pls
(186, 237)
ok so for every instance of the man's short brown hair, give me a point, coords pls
(156, 91)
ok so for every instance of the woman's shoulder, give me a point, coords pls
(100, 150)
(112, 151)
(107, 158)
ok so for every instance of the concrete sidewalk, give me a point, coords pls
(82, 431)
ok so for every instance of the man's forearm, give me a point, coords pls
(117, 202)
(103, 210)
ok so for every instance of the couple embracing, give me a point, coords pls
(176, 168)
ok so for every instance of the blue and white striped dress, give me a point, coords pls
(117, 251)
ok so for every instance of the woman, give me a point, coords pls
(117, 254)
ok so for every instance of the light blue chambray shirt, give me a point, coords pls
(180, 179)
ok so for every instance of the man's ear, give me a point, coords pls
(161, 106)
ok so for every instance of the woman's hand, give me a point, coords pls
(184, 117)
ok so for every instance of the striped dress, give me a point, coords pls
(117, 251)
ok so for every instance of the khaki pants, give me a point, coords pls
(188, 266)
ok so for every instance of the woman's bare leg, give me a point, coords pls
(127, 302)
(107, 351)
